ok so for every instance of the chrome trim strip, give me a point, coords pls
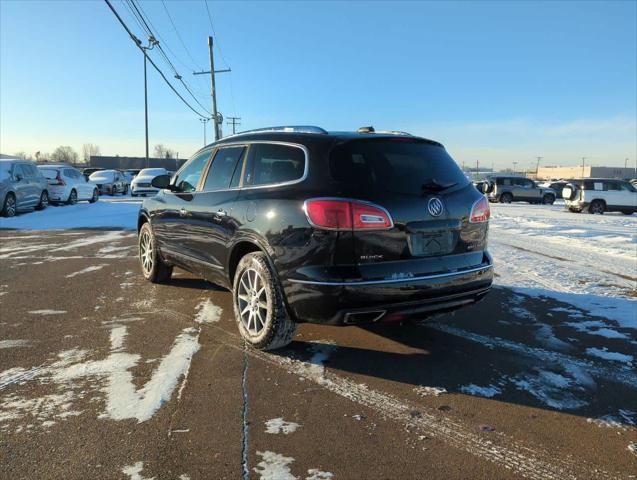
(250, 187)
(190, 258)
(390, 281)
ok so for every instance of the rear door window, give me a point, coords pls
(223, 167)
(274, 163)
(49, 173)
(395, 165)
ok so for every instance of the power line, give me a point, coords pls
(150, 32)
(215, 34)
(137, 42)
(177, 32)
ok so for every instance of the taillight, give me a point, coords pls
(58, 181)
(480, 212)
(340, 214)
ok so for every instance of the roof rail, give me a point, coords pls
(371, 129)
(288, 129)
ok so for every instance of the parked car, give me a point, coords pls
(555, 186)
(141, 184)
(110, 182)
(309, 226)
(599, 195)
(507, 189)
(89, 171)
(22, 186)
(68, 184)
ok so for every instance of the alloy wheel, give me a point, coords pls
(253, 301)
(146, 252)
(10, 206)
(44, 200)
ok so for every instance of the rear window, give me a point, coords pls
(271, 163)
(150, 172)
(49, 173)
(396, 166)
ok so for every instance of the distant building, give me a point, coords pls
(123, 163)
(587, 171)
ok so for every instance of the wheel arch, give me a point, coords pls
(142, 219)
(240, 248)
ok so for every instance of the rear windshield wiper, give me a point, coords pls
(433, 185)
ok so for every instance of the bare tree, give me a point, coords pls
(65, 154)
(23, 155)
(161, 151)
(89, 150)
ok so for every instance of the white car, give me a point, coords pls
(599, 195)
(68, 184)
(141, 184)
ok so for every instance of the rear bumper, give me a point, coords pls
(349, 302)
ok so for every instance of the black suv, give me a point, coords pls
(305, 225)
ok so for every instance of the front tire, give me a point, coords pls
(597, 207)
(153, 267)
(72, 198)
(259, 308)
(506, 198)
(95, 196)
(44, 200)
(548, 199)
(9, 206)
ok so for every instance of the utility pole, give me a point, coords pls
(514, 164)
(216, 117)
(583, 161)
(152, 41)
(204, 121)
(477, 176)
(233, 121)
(537, 167)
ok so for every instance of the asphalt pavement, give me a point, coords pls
(104, 375)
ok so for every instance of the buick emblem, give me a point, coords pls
(435, 207)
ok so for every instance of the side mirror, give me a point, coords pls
(161, 181)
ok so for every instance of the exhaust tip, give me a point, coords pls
(369, 316)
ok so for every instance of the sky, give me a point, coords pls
(496, 82)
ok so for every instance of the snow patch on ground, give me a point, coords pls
(274, 466)
(17, 343)
(47, 312)
(92, 268)
(620, 420)
(278, 425)
(208, 312)
(606, 355)
(134, 472)
(489, 391)
(103, 214)
(424, 391)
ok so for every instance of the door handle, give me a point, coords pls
(183, 212)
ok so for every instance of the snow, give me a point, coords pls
(47, 312)
(208, 312)
(134, 472)
(274, 466)
(278, 425)
(17, 343)
(488, 391)
(108, 212)
(92, 268)
(425, 391)
(606, 355)
(588, 261)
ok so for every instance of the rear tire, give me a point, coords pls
(548, 199)
(9, 206)
(44, 200)
(72, 198)
(597, 207)
(259, 308)
(506, 198)
(95, 196)
(153, 267)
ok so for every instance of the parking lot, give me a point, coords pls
(103, 375)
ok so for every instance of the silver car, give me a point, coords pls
(507, 189)
(22, 186)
